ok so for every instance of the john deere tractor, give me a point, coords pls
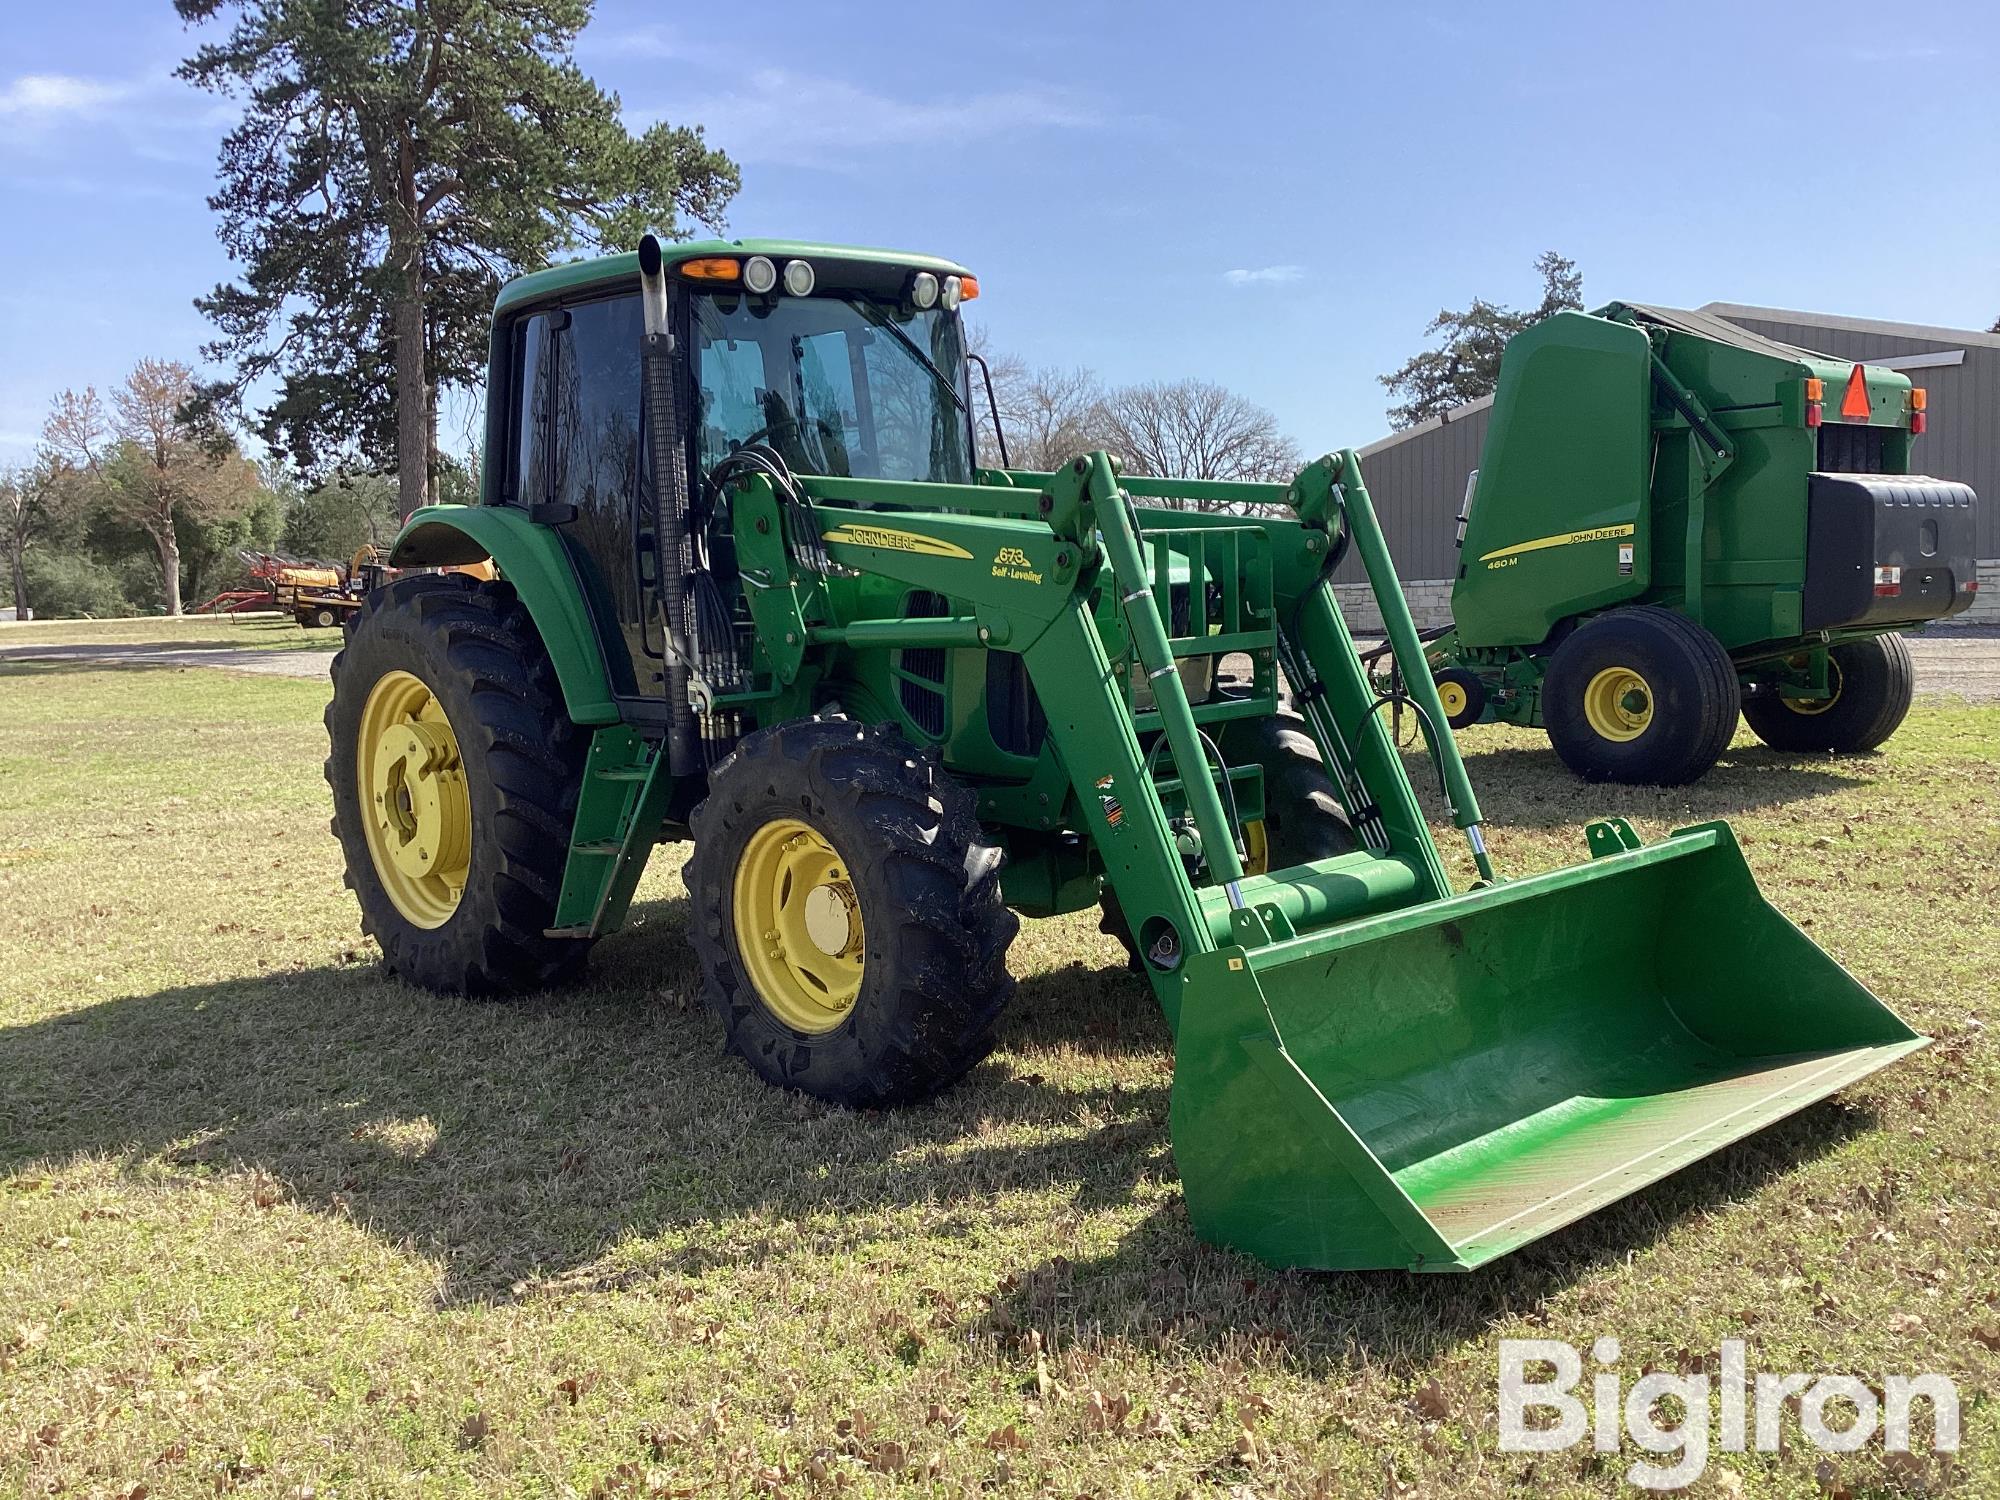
(1676, 521)
(756, 588)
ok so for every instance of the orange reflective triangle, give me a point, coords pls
(1854, 405)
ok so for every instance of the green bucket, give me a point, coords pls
(1438, 1086)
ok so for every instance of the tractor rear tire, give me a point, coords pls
(1642, 696)
(1873, 681)
(846, 909)
(1303, 816)
(494, 762)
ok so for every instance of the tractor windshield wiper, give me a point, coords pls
(882, 320)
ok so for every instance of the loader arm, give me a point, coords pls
(1022, 577)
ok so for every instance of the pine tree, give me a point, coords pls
(1467, 366)
(396, 161)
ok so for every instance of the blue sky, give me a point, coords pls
(1274, 197)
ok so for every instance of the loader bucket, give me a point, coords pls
(1438, 1086)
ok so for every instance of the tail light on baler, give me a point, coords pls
(1919, 420)
(1815, 394)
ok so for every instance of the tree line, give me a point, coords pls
(126, 507)
(1182, 429)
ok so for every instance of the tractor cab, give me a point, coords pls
(808, 360)
(861, 375)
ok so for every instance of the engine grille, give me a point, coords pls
(920, 670)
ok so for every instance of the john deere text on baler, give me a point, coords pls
(754, 590)
(1675, 520)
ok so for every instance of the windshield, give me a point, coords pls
(838, 385)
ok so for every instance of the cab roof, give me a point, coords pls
(575, 274)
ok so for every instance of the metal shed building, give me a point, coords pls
(1417, 477)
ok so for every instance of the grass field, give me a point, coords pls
(272, 1224)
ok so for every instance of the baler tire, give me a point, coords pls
(1691, 691)
(1303, 816)
(1473, 688)
(934, 929)
(474, 645)
(1876, 682)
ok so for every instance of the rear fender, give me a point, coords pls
(532, 559)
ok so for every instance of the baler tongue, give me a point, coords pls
(1435, 1087)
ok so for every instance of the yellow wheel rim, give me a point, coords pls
(798, 925)
(1256, 849)
(1618, 704)
(1452, 696)
(1810, 706)
(416, 811)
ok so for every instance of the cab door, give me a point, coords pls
(581, 467)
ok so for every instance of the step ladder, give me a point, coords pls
(619, 813)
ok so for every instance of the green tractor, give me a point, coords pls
(755, 589)
(1675, 520)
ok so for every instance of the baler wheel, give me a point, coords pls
(1873, 682)
(1463, 695)
(846, 910)
(455, 773)
(1642, 696)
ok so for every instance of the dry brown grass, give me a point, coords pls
(271, 1223)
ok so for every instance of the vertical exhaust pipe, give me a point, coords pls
(670, 498)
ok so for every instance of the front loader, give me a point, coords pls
(754, 591)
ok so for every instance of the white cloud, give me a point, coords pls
(44, 96)
(1264, 275)
(777, 115)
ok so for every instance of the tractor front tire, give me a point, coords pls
(846, 910)
(1642, 696)
(455, 773)
(1303, 817)
(1873, 682)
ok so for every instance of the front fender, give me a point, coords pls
(532, 559)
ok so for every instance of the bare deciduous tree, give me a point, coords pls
(1184, 429)
(150, 470)
(1052, 415)
(1192, 429)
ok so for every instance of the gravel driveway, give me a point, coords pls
(1963, 660)
(233, 658)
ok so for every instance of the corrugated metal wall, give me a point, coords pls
(1416, 485)
(1417, 480)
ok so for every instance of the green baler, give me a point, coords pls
(1675, 518)
(753, 591)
